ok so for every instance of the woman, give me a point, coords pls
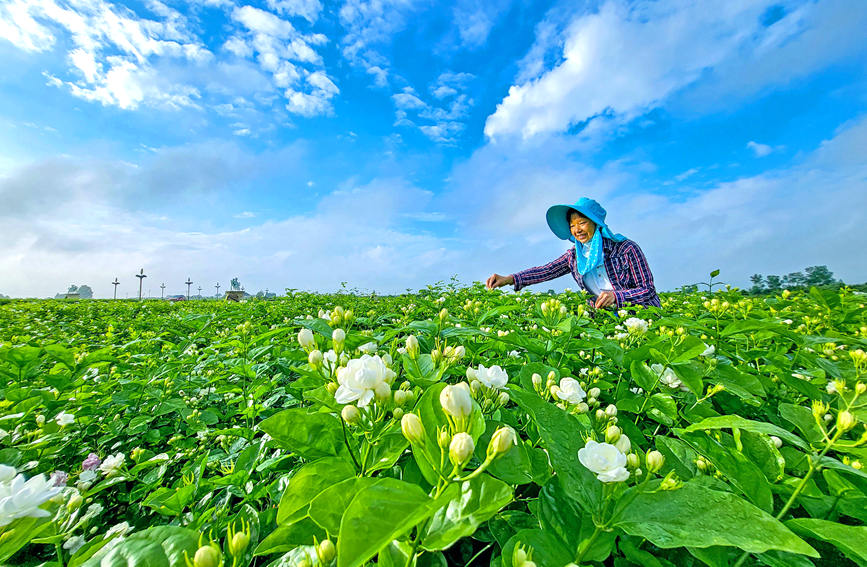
(609, 266)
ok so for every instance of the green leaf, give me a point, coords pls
(803, 419)
(289, 536)
(548, 550)
(327, 508)
(563, 435)
(161, 546)
(308, 482)
(740, 471)
(478, 500)
(691, 374)
(170, 501)
(738, 422)
(16, 535)
(851, 540)
(560, 515)
(420, 371)
(697, 516)
(310, 435)
(379, 514)
(643, 376)
(689, 348)
(663, 409)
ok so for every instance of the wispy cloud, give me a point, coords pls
(761, 150)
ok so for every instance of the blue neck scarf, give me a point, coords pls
(596, 253)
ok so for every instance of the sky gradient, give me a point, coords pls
(392, 144)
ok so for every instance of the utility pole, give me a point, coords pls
(163, 290)
(141, 276)
(200, 292)
(189, 282)
(115, 283)
(218, 289)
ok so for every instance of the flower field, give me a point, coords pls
(456, 426)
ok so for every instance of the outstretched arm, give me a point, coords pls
(539, 274)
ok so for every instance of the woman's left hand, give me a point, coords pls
(604, 299)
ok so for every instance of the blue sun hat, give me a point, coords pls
(587, 256)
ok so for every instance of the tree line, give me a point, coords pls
(818, 276)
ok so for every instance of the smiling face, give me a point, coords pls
(580, 226)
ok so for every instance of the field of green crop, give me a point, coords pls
(456, 426)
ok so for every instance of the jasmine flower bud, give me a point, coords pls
(412, 428)
(461, 448)
(502, 440)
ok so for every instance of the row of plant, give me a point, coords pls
(452, 426)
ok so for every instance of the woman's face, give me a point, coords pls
(581, 227)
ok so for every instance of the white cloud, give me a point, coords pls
(307, 9)
(19, 26)
(625, 59)
(369, 26)
(759, 150)
(441, 119)
(117, 57)
(111, 49)
(291, 59)
(245, 215)
(476, 18)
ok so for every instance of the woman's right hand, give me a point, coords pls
(496, 280)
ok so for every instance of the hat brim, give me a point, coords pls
(556, 217)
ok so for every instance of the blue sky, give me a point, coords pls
(391, 144)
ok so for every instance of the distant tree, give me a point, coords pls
(72, 289)
(758, 284)
(819, 275)
(773, 283)
(794, 279)
(85, 292)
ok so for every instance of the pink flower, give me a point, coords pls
(59, 478)
(92, 462)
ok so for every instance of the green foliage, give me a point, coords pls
(216, 427)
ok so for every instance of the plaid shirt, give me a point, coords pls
(624, 263)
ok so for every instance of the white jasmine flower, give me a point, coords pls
(73, 544)
(623, 444)
(111, 463)
(708, 350)
(122, 528)
(7, 473)
(21, 498)
(305, 339)
(605, 460)
(636, 326)
(493, 377)
(368, 348)
(831, 387)
(359, 379)
(87, 476)
(667, 376)
(570, 391)
(63, 419)
(457, 401)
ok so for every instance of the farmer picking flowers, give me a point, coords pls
(609, 266)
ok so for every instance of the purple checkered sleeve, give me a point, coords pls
(549, 271)
(642, 291)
